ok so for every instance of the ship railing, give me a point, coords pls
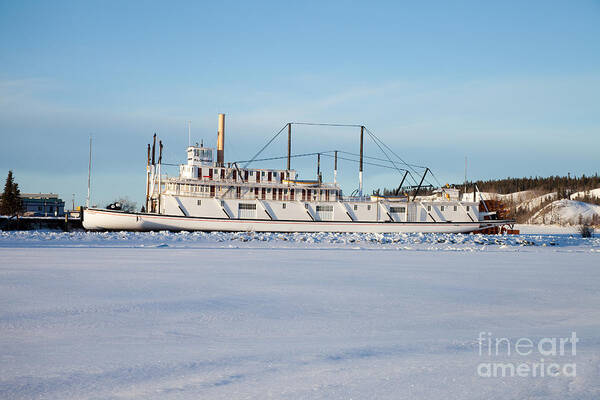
(355, 199)
(232, 195)
(244, 183)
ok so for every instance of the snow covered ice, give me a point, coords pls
(294, 316)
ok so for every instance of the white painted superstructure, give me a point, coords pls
(218, 196)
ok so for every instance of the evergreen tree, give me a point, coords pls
(11, 200)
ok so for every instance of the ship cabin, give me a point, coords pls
(211, 188)
(202, 177)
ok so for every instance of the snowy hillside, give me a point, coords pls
(536, 202)
(536, 207)
(591, 193)
(516, 197)
(566, 212)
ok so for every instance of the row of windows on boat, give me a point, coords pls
(265, 193)
(329, 207)
(443, 208)
(319, 208)
(245, 175)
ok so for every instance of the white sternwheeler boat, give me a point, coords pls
(220, 196)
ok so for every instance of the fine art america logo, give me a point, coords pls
(549, 347)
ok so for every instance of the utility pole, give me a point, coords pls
(465, 190)
(87, 201)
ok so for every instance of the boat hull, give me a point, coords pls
(100, 219)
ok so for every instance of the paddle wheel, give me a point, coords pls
(496, 210)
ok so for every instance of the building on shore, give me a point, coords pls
(42, 205)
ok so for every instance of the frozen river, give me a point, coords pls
(236, 316)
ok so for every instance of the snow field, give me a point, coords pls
(226, 316)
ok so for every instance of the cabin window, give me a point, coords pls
(397, 210)
(455, 208)
(325, 212)
(283, 206)
(246, 210)
(355, 207)
(325, 207)
(199, 202)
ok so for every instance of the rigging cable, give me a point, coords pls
(383, 151)
(397, 156)
(265, 146)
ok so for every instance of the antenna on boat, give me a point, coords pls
(160, 149)
(87, 200)
(153, 148)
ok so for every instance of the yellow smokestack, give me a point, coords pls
(221, 140)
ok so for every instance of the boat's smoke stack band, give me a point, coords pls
(221, 140)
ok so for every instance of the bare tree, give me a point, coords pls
(123, 204)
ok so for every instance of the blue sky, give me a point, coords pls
(514, 86)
